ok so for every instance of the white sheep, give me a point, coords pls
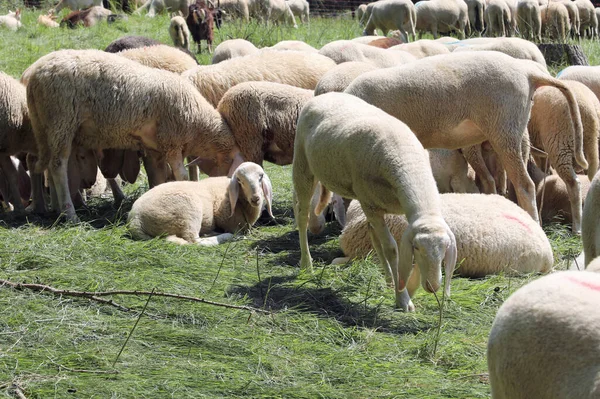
(339, 77)
(498, 18)
(294, 45)
(154, 7)
(347, 50)
(295, 68)
(587, 18)
(459, 84)
(451, 171)
(387, 15)
(75, 5)
(353, 149)
(335, 205)
(438, 15)
(182, 211)
(574, 18)
(277, 11)
(493, 235)
(590, 221)
(179, 32)
(12, 20)
(262, 117)
(233, 48)
(161, 57)
(545, 342)
(513, 46)
(529, 19)
(555, 21)
(422, 48)
(301, 9)
(476, 11)
(588, 75)
(127, 106)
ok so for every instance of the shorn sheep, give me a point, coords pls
(459, 84)
(295, 68)
(157, 6)
(493, 236)
(262, 117)
(124, 107)
(179, 32)
(590, 221)
(353, 149)
(182, 211)
(545, 342)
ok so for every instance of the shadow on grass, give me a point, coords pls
(275, 294)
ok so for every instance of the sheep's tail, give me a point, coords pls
(324, 199)
(538, 81)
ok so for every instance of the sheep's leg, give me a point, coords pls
(474, 157)
(175, 160)
(156, 169)
(38, 205)
(117, 192)
(11, 174)
(58, 172)
(381, 255)
(304, 186)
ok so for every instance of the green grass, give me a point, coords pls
(332, 333)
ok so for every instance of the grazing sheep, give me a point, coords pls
(590, 221)
(161, 57)
(294, 45)
(544, 342)
(442, 15)
(494, 236)
(557, 205)
(555, 21)
(422, 48)
(360, 12)
(158, 6)
(88, 17)
(529, 19)
(295, 68)
(587, 18)
(336, 205)
(179, 32)
(236, 8)
(277, 11)
(353, 149)
(12, 20)
(75, 5)
(476, 11)
(233, 48)
(200, 22)
(551, 129)
(574, 19)
(185, 210)
(48, 20)
(514, 46)
(262, 117)
(346, 50)
(387, 15)
(459, 84)
(301, 9)
(124, 107)
(127, 42)
(498, 18)
(451, 172)
(339, 77)
(588, 75)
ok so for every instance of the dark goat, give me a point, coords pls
(200, 21)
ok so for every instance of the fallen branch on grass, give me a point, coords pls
(95, 296)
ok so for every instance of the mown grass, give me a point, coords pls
(332, 333)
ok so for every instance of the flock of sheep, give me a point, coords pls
(400, 140)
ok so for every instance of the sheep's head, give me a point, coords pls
(253, 182)
(430, 241)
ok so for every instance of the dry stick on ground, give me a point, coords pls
(95, 295)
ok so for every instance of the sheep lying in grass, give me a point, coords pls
(123, 107)
(295, 68)
(262, 117)
(48, 20)
(179, 32)
(161, 57)
(346, 50)
(457, 84)
(493, 235)
(182, 211)
(353, 149)
(233, 48)
(556, 198)
(12, 20)
(88, 17)
(544, 342)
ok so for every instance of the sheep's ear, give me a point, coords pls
(339, 210)
(233, 191)
(405, 258)
(237, 161)
(268, 193)
(450, 262)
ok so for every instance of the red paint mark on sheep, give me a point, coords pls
(591, 286)
(511, 217)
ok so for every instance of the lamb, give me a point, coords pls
(557, 205)
(200, 22)
(294, 45)
(158, 6)
(459, 84)
(262, 117)
(300, 8)
(389, 15)
(88, 17)
(529, 19)
(295, 68)
(590, 231)
(48, 20)
(494, 236)
(346, 50)
(422, 48)
(12, 20)
(498, 18)
(129, 101)
(233, 48)
(342, 142)
(438, 15)
(179, 32)
(161, 57)
(555, 21)
(185, 210)
(339, 77)
(513, 46)
(451, 172)
(544, 339)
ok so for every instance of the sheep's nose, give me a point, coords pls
(255, 200)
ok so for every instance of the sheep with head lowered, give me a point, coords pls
(12, 20)
(358, 151)
(545, 342)
(124, 107)
(161, 57)
(513, 46)
(339, 77)
(295, 68)
(387, 15)
(232, 48)
(182, 211)
(347, 50)
(590, 221)
(179, 32)
(459, 84)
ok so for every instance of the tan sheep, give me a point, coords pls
(182, 211)
(48, 20)
(551, 129)
(347, 50)
(451, 171)
(387, 15)
(441, 15)
(588, 75)
(498, 18)
(422, 48)
(128, 106)
(339, 77)
(529, 19)
(360, 11)
(233, 48)
(574, 18)
(545, 342)
(587, 16)
(12, 20)
(555, 21)
(476, 12)
(161, 57)
(358, 151)
(493, 235)
(262, 117)
(557, 205)
(295, 68)
(179, 32)
(293, 45)
(459, 84)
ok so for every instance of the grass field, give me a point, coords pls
(329, 334)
